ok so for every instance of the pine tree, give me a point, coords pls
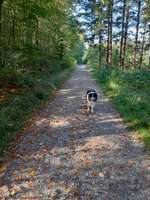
(122, 32)
(137, 32)
(110, 26)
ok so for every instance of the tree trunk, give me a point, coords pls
(37, 32)
(125, 37)
(108, 35)
(100, 39)
(109, 39)
(149, 45)
(1, 61)
(100, 49)
(29, 25)
(111, 27)
(142, 47)
(122, 32)
(13, 33)
(137, 32)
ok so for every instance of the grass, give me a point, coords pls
(130, 92)
(22, 92)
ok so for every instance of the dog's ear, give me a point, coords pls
(96, 96)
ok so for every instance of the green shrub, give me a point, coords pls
(33, 87)
(130, 92)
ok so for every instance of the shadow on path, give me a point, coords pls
(69, 153)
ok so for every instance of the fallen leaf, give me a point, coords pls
(95, 173)
(2, 98)
(32, 172)
(30, 142)
(18, 178)
(3, 168)
(67, 190)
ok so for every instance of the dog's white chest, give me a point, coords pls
(91, 103)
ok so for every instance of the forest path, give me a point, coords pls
(69, 153)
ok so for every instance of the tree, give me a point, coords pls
(142, 45)
(34, 31)
(110, 26)
(125, 35)
(122, 32)
(1, 3)
(137, 32)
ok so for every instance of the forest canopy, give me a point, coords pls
(120, 30)
(37, 32)
(40, 43)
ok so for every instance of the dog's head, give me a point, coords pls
(92, 95)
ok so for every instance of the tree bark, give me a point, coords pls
(37, 32)
(1, 3)
(108, 35)
(137, 32)
(122, 32)
(100, 39)
(149, 46)
(111, 27)
(125, 37)
(100, 49)
(109, 39)
(142, 47)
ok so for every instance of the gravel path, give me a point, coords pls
(70, 154)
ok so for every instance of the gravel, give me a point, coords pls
(70, 154)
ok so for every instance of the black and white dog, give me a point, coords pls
(91, 97)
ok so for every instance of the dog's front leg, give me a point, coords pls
(92, 109)
(88, 108)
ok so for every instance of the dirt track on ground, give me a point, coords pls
(70, 154)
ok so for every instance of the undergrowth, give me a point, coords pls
(22, 92)
(130, 92)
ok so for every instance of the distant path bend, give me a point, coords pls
(69, 154)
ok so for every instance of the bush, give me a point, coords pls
(32, 88)
(129, 90)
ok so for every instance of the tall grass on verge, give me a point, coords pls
(21, 92)
(130, 92)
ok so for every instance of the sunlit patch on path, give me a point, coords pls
(68, 153)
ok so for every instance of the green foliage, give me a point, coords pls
(129, 91)
(79, 51)
(123, 25)
(33, 88)
(115, 56)
(37, 41)
(92, 57)
(37, 29)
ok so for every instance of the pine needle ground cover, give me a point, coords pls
(21, 93)
(130, 93)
